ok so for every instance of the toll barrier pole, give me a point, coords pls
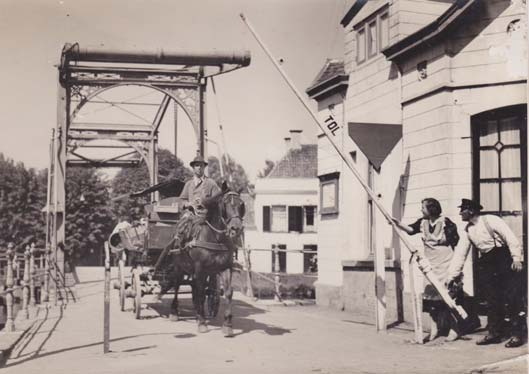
(332, 129)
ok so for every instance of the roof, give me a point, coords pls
(428, 33)
(297, 163)
(368, 10)
(330, 77)
(375, 140)
(352, 12)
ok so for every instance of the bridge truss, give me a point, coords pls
(88, 76)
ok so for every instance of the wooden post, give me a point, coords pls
(16, 264)
(248, 264)
(417, 305)
(25, 290)
(46, 291)
(275, 249)
(106, 327)
(10, 322)
(32, 300)
(380, 289)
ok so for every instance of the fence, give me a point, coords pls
(33, 273)
(276, 281)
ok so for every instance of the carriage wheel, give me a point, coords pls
(121, 285)
(212, 301)
(137, 293)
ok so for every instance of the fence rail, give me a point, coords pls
(275, 250)
(31, 273)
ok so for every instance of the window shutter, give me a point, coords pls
(266, 218)
(295, 218)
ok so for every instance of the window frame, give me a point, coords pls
(285, 229)
(364, 28)
(370, 54)
(306, 226)
(358, 59)
(379, 26)
(331, 178)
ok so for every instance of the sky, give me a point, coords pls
(254, 105)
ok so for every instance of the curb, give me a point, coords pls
(500, 365)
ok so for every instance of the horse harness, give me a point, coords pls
(218, 247)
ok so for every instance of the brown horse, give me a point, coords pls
(209, 253)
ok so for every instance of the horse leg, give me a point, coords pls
(227, 327)
(199, 297)
(174, 304)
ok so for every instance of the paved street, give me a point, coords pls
(268, 339)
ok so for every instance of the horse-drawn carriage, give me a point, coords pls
(148, 246)
(172, 247)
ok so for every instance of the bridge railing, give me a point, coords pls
(31, 273)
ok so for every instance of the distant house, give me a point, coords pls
(286, 211)
(433, 93)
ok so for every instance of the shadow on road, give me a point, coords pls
(242, 312)
(37, 354)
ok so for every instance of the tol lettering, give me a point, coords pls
(332, 125)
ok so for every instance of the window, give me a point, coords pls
(279, 264)
(384, 31)
(372, 36)
(329, 193)
(310, 259)
(500, 159)
(361, 46)
(372, 39)
(266, 219)
(310, 221)
(295, 218)
(279, 218)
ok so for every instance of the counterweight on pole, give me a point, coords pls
(331, 128)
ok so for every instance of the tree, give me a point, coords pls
(88, 215)
(269, 165)
(22, 196)
(129, 180)
(234, 173)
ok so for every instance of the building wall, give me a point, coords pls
(281, 191)
(339, 235)
(437, 110)
(408, 16)
(481, 67)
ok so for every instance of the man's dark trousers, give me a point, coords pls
(502, 289)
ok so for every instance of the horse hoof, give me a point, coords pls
(227, 331)
(202, 328)
(173, 318)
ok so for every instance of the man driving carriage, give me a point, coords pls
(200, 187)
(196, 191)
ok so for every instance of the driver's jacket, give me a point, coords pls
(197, 190)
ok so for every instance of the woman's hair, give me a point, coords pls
(432, 206)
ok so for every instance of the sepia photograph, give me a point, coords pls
(274, 186)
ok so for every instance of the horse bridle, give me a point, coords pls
(231, 194)
(224, 222)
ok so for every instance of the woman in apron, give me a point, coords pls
(439, 236)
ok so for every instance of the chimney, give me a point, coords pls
(287, 145)
(296, 139)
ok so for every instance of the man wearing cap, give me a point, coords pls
(499, 266)
(200, 187)
(195, 191)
